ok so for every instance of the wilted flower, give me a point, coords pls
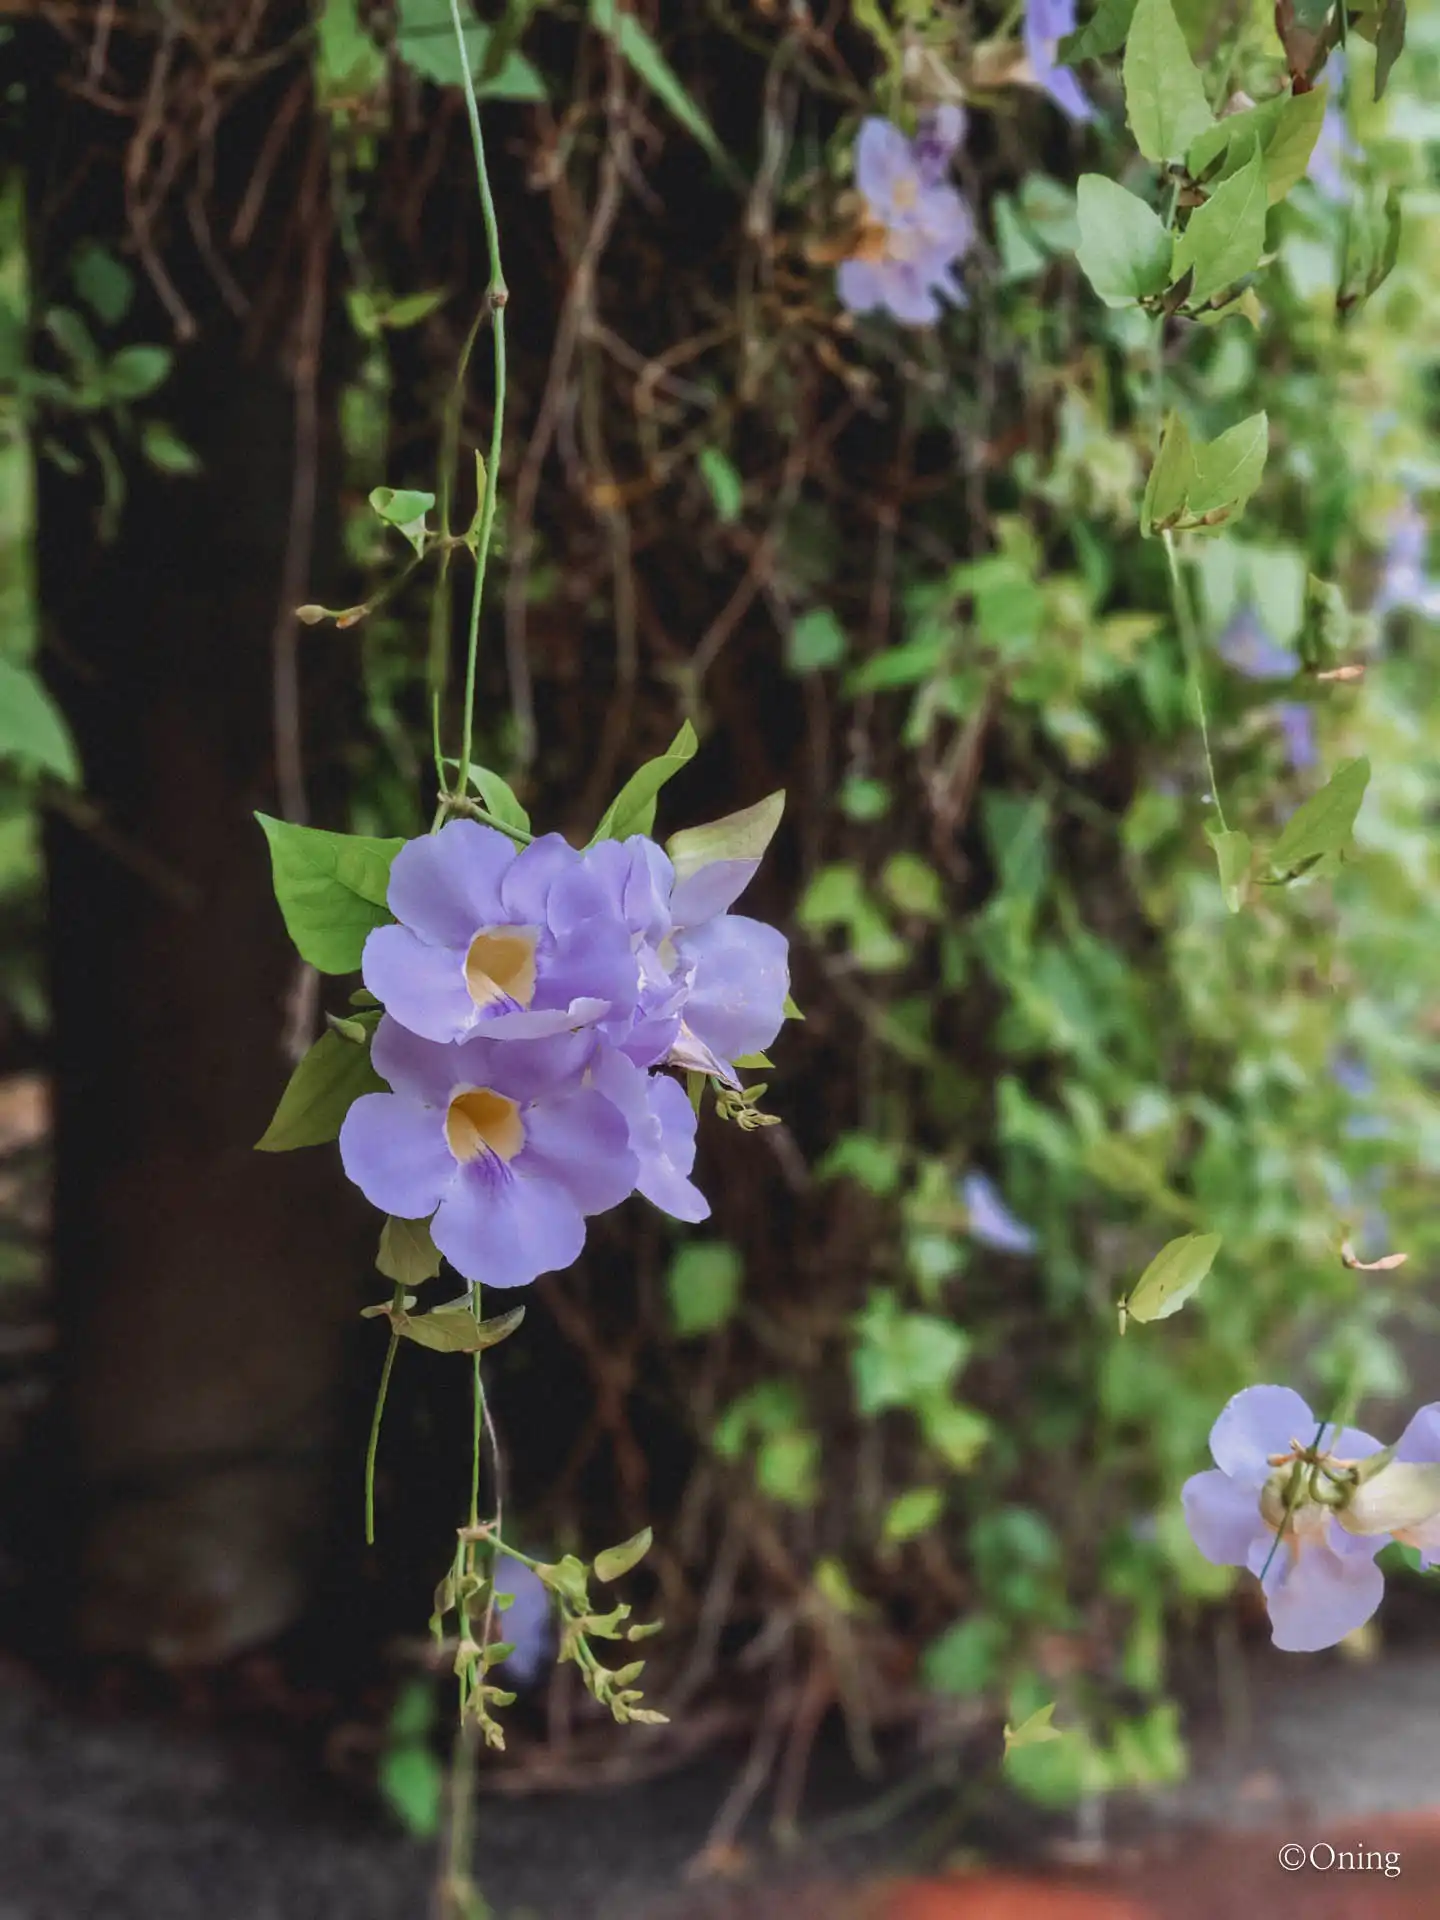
(520, 944)
(1420, 1444)
(1257, 1509)
(991, 1221)
(1046, 24)
(917, 226)
(498, 1140)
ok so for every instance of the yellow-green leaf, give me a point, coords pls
(1171, 1277)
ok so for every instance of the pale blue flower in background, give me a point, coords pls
(991, 1221)
(526, 1623)
(1244, 644)
(1297, 724)
(1404, 579)
(1046, 24)
(1335, 146)
(917, 226)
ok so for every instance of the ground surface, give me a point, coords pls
(124, 1820)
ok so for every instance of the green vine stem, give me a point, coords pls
(1189, 643)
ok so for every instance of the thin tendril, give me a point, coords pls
(375, 1419)
(1185, 620)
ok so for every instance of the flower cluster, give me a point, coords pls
(532, 1000)
(916, 226)
(1307, 1507)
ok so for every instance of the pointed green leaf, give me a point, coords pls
(1125, 246)
(331, 889)
(633, 808)
(912, 1513)
(1172, 1276)
(1232, 854)
(1164, 94)
(405, 510)
(321, 1091)
(737, 836)
(1389, 43)
(1171, 477)
(1229, 469)
(425, 40)
(1034, 1731)
(499, 798)
(1225, 237)
(703, 1286)
(407, 1254)
(455, 1329)
(621, 27)
(1104, 32)
(615, 1562)
(1285, 129)
(32, 731)
(1326, 821)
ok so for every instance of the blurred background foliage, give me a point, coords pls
(898, 1458)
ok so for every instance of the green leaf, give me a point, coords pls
(1232, 854)
(411, 308)
(319, 1094)
(1164, 94)
(727, 490)
(1225, 237)
(32, 730)
(965, 1660)
(1287, 148)
(1228, 469)
(791, 1011)
(903, 1359)
(331, 889)
(454, 1329)
(816, 641)
(163, 448)
(1034, 1731)
(622, 28)
(703, 1286)
(913, 886)
(912, 1513)
(404, 509)
(1104, 32)
(499, 798)
(743, 835)
(407, 1254)
(105, 284)
(425, 41)
(1389, 43)
(615, 1562)
(633, 808)
(1372, 242)
(1171, 1277)
(136, 371)
(1171, 477)
(349, 67)
(412, 1783)
(1125, 246)
(1325, 822)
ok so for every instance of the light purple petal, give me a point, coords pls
(425, 1070)
(593, 960)
(940, 133)
(1420, 1442)
(421, 986)
(446, 885)
(525, 891)
(1046, 24)
(1319, 1596)
(1254, 1424)
(1248, 648)
(499, 1230)
(991, 1221)
(526, 1623)
(742, 975)
(860, 285)
(662, 1133)
(394, 1150)
(1349, 1443)
(711, 890)
(1223, 1517)
(910, 295)
(523, 1070)
(1297, 723)
(524, 1024)
(581, 1144)
(884, 160)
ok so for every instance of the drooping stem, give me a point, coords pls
(1189, 643)
(375, 1419)
(497, 296)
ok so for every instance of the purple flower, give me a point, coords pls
(1335, 146)
(524, 944)
(1404, 581)
(498, 1140)
(1247, 647)
(1046, 24)
(1350, 1073)
(917, 226)
(662, 1126)
(1320, 1582)
(1297, 724)
(526, 1622)
(991, 1222)
(1420, 1443)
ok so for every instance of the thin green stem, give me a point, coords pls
(1189, 643)
(497, 295)
(478, 1422)
(375, 1419)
